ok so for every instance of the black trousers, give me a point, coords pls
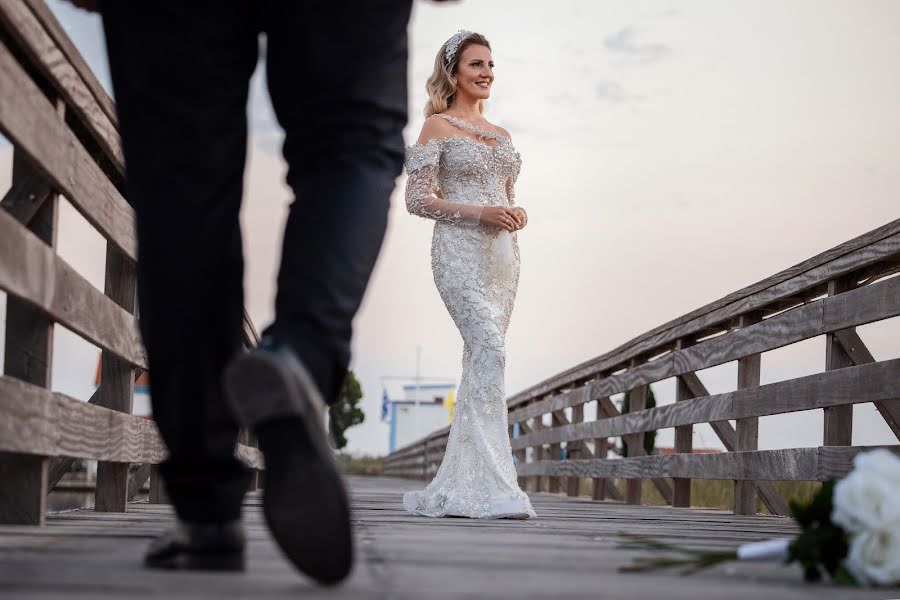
(336, 72)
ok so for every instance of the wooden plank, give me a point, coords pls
(24, 490)
(637, 403)
(556, 418)
(869, 303)
(56, 31)
(29, 120)
(40, 422)
(575, 449)
(116, 383)
(836, 461)
(59, 466)
(837, 420)
(859, 252)
(30, 270)
(684, 444)
(747, 428)
(28, 356)
(45, 53)
(158, 493)
(790, 464)
(537, 425)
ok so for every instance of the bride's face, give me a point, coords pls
(475, 72)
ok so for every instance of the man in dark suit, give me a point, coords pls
(336, 72)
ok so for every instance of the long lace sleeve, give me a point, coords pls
(511, 185)
(422, 191)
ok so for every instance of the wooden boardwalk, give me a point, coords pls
(568, 552)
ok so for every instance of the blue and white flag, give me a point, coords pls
(385, 404)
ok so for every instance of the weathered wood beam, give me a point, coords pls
(31, 270)
(30, 122)
(794, 464)
(746, 430)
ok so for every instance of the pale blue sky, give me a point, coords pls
(673, 152)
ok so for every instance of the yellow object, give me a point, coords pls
(450, 402)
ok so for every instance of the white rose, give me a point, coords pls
(874, 556)
(869, 497)
(881, 462)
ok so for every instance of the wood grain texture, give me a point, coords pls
(40, 422)
(837, 420)
(746, 429)
(571, 551)
(684, 444)
(116, 383)
(30, 270)
(44, 52)
(24, 490)
(791, 464)
(31, 123)
(73, 56)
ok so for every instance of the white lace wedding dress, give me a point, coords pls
(476, 270)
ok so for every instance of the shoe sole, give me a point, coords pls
(199, 562)
(304, 500)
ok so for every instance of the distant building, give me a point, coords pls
(409, 423)
(141, 404)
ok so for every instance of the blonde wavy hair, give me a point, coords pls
(440, 85)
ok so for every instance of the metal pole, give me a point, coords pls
(418, 380)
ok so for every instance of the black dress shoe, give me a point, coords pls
(199, 546)
(304, 500)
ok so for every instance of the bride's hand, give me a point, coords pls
(500, 216)
(521, 217)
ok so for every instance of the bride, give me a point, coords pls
(461, 174)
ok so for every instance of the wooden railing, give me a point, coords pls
(828, 295)
(64, 133)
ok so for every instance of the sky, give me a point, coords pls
(673, 152)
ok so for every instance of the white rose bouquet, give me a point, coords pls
(850, 530)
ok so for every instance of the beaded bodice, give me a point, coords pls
(477, 170)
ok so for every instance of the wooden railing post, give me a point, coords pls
(838, 420)
(684, 439)
(116, 383)
(29, 346)
(520, 453)
(555, 450)
(601, 448)
(637, 400)
(158, 494)
(537, 424)
(573, 450)
(747, 429)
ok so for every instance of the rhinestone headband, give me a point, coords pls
(452, 44)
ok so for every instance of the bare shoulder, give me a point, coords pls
(434, 128)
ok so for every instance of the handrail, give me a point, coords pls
(64, 132)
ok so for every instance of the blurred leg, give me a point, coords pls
(337, 77)
(180, 72)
